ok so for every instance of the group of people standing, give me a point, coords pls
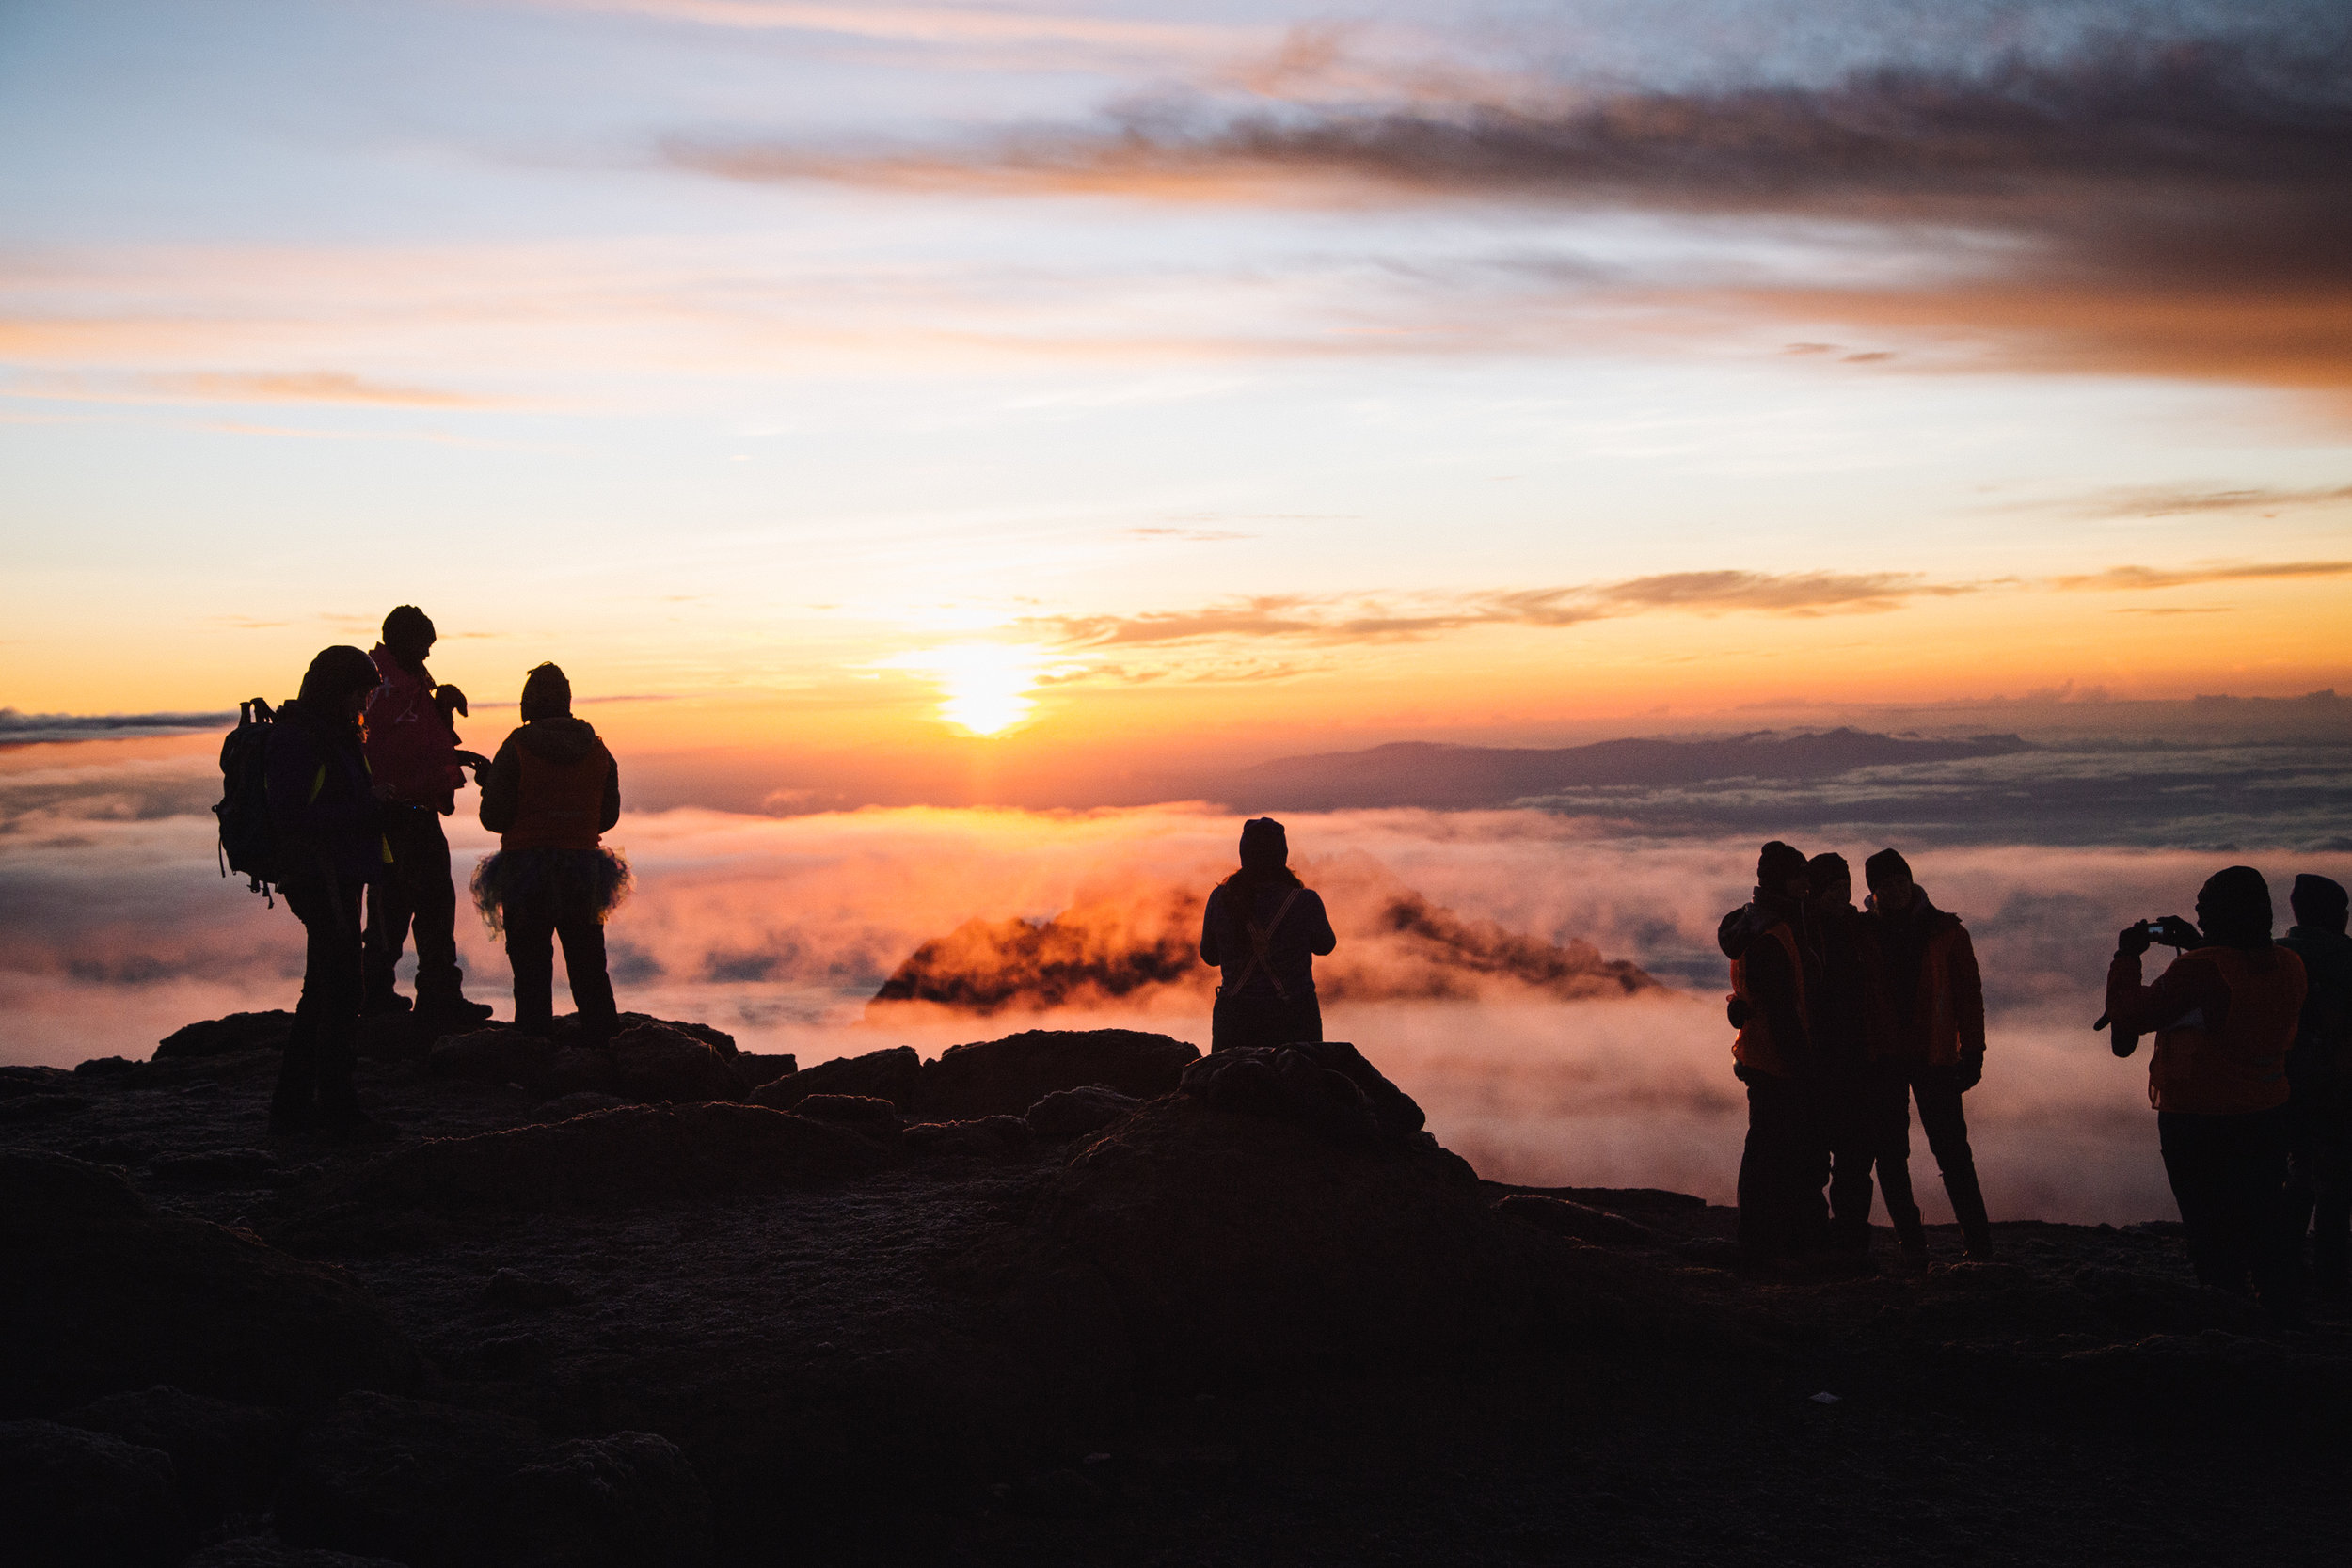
(361, 768)
(1847, 1018)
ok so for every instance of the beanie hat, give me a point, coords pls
(334, 674)
(407, 627)
(1825, 866)
(547, 693)
(1884, 866)
(1778, 863)
(2318, 901)
(2235, 905)
(1264, 845)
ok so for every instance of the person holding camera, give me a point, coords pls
(1937, 994)
(2224, 1014)
(2319, 1087)
(1784, 1163)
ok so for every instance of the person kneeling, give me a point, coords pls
(551, 794)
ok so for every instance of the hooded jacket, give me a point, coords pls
(1850, 1018)
(552, 785)
(1934, 986)
(1765, 941)
(321, 807)
(412, 746)
(1292, 938)
(2319, 1068)
(2224, 1017)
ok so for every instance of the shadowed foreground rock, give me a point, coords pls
(69, 1496)
(996, 1078)
(102, 1292)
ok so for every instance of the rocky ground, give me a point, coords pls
(1062, 1298)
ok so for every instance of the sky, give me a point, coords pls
(1117, 380)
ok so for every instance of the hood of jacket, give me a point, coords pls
(558, 739)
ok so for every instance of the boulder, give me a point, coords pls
(218, 1037)
(581, 1103)
(873, 1118)
(639, 1154)
(17, 1082)
(102, 1292)
(495, 1055)
(755, 1070)
(72, 1498)
(438, 1487)
(106, 1066)
(227, 1457)
(986, 1137)
(1005, 1077)
(890, 1075)
(1241, 1247)
(1324, 1085)
(1070, 1113)
(1577, 1221)
(653, 1062)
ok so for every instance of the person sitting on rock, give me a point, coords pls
(550, 795)
(1784, 1163)
(1263, 928)
(329, 846)
(413, 755)
(2224, 1014)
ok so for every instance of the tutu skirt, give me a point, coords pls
(557, 887)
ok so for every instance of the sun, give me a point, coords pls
(984, 687)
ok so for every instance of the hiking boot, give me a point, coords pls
(449, 1015)
(387, 1001)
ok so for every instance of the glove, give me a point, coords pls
(1971, 1070)
(2133, 939)
(449, 697)
(1736, 1009)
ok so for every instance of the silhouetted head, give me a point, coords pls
(1780, 870)
(546, 694)
(408, 632)
(2317, 902)
(1828, 882)
(1265, 853)
(1889, 876)
(2233, 907)
(337, 685)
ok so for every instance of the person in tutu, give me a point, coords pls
(550, 795)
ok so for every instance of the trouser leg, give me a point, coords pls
(1781, 1168)
(1946, 1124)
(2196, 1163)
(2258, 1198)
(316, 1076)
(2331, 1202)
(386, 937)
(591, 982)
(421, 865)
(1890, 1128)
(530, 953)
(1852, 1151)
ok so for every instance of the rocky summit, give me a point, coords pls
(1063, 1298)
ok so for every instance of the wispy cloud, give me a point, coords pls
(2178, 500)
(2131, 578)
(330, 387)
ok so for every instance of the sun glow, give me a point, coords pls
(984, 687)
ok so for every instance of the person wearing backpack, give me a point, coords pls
(413, 755)
(550, 795)
(1263, 930)
(328, 846)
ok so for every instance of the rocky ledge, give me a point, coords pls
(1061, 1297)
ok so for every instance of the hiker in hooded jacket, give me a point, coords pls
(2319, 1088)
(550, 795)
(1865, 1096)
(1938, 993)
(414, 758)
(1775, 969)
(328, 826)
(1263, 930)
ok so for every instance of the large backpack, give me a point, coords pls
(248, 845)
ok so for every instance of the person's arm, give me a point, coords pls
(1967, 995)
(1321, 938)
(2185, 987)
(611, 812)
(1209, 923)
(501, 789)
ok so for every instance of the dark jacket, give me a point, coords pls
(1771, 984)
(321, 808)
(552, 785)
(1305, 930)
(2319, 1068)
(1850, 1019)
(412, 746)
(1933, 984)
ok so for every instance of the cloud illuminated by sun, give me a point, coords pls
(983, 687)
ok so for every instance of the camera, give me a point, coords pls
(2170, 930)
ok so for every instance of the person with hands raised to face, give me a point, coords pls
(2224, 1014)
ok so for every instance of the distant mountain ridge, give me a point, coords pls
(1436, 775)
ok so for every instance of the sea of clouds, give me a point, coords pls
(116, 927)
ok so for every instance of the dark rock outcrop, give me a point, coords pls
(1005, 1077)
(890, 1075)
(104, 1293)
(873, 1118)
(70, 1499)
(1324, 1085)
(438, 1487)
(217, 1037)
(227, 1457)
(1580, 1222)
(636, 1155)
(1072, 1113)
(654, 1062)
(648, 1061)
(986, 1137)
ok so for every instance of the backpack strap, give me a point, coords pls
(1260, 950)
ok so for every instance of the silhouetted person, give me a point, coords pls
(2224, 1014)
(1866, 1098)
(1936, 994)
(551, 794)
(1263, 930)
(413, 755)
(1786, 1159)
(329, 846)
(2319, 1087)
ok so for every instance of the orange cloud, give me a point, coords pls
(2129, 577)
